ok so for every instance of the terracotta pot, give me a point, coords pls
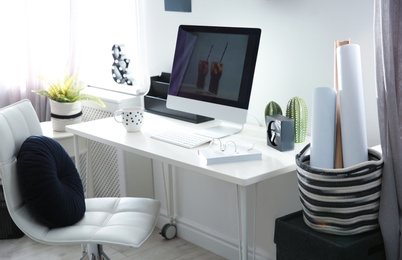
(63, 114)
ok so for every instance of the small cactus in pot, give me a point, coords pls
(297, 110)
(272, 108)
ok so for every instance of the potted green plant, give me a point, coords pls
(65, 101)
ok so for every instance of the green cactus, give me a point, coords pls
(272, 108)
(297, 110)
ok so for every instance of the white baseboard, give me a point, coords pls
(208, 239)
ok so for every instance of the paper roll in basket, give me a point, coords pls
(340, 201)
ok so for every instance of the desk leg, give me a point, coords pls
(77, 154)
(242, 199)
(242, 206)
(171, 200)
(90, 181)
(169, 230)
(89, 188)
(122, 172)
(78, 167)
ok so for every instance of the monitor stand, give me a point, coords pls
(222, 130)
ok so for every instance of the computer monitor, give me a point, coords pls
(212, 74)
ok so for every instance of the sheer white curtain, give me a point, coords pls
(35, 42)
(45, 38)
(388, 42)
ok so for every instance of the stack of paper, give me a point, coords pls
(211, 155)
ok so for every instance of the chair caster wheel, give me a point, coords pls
(169, 231)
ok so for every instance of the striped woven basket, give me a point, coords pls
(340, 201)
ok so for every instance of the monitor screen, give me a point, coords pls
(213, 70)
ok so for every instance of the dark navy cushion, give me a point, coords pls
(49, 182)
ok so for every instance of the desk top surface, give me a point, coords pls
(273, 162)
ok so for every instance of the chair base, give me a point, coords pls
(94, 252)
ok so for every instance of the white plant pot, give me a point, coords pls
(63, 114)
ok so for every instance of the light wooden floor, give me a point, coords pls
(155, 248)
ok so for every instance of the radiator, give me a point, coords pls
(111, 177)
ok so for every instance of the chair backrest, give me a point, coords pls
(17, 122)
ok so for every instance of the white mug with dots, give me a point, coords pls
(132, 118)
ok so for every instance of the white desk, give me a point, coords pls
(242, 174)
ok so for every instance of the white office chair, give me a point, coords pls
(112, 221)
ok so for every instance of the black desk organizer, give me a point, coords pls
(155, 101)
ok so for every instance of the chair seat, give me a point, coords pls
(112, 221)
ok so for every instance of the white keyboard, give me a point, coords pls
(180, 138)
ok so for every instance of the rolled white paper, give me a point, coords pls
(323, 125)
(353, 122)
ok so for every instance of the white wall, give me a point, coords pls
(295, 56)
(296, 48)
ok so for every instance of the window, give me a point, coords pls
(102, 24)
